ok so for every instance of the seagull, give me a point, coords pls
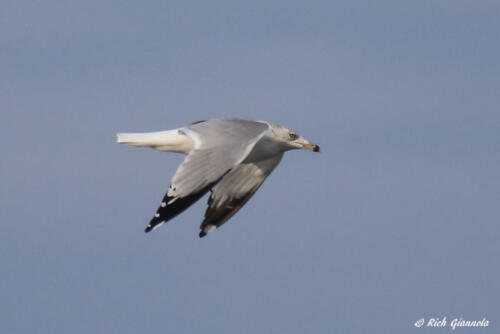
(229, 157)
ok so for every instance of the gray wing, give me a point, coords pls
(220, 145)
(234, 190)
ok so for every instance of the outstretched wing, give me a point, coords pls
(219, 145)
(172, 206)
(234, 190)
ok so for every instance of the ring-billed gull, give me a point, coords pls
(229, 157)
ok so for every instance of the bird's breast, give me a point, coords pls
(264, 149)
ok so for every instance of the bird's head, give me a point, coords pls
(291, 139)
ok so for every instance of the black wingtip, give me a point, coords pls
(202, 234)
(148, 229)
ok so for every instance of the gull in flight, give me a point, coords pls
(228, 157)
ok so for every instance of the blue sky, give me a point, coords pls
(396, 220)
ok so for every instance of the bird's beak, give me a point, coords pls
(310, 146)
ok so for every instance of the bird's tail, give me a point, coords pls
(171, 140)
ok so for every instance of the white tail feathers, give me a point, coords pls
(172, 140)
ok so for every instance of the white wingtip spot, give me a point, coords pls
(163, 204)
(172, 200)
(209, 228)
(158, 226)
(157, 215)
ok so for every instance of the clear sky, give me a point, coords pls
(397, 219)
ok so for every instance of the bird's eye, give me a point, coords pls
(293, 136)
